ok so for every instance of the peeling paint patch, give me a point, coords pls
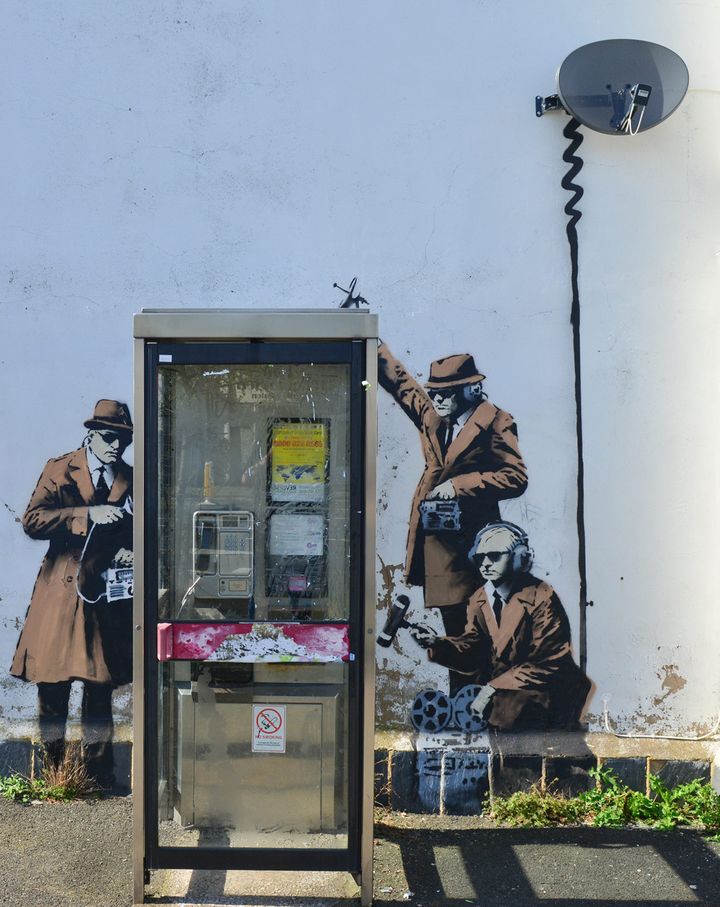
(672, 682)
(387, 583)
(391, 710)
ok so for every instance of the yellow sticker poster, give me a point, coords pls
(299, 454)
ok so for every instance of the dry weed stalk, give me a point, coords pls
(69, 777)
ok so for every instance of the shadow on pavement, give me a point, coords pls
(208, 886)
(579, 867)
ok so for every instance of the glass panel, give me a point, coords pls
(220, 783)
(254, 492)
(253, 527)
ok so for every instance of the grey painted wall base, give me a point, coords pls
(458, 782)
(454, 775)
(457, 778)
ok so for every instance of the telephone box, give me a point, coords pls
(254, 590)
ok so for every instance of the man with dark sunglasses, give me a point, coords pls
(472, 460)
(516, 641)
(82, 506)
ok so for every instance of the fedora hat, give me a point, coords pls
(111, 414)
(453, 371)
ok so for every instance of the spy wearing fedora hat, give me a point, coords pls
(82, 506)
(471, 456)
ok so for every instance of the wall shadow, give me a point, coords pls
(578, 867)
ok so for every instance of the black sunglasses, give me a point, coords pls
(492, 556)
(110, 436)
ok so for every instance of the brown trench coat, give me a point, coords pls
(63, 637)
(527, 659)
(485, 465)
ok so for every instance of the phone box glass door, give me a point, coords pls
(256, 553)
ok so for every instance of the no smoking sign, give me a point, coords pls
(268, 730)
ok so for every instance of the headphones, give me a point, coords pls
(473, 393)
(522, 553)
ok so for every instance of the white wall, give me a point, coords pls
(249, 154)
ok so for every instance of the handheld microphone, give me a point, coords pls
(395, 621)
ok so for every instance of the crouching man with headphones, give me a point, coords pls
(516, 642)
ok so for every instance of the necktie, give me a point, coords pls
(102, 492)
(447, 436)
(497, 607)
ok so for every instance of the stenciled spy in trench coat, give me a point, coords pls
(65, 638)
(527, 659)
(485, 466)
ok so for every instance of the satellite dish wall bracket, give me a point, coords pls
(552, 102)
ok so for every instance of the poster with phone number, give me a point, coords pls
(299, 454)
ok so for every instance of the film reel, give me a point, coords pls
(431, 711)
(463, 716)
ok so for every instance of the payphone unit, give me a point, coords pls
(222, 554)
(254, 590)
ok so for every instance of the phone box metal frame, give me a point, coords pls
(197, 336)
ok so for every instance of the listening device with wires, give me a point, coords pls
(100, 577)
(119, 583)
(440, 516)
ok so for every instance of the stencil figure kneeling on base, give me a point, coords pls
(516, 642)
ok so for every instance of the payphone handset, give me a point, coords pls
(223, 555)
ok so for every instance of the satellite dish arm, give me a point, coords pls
(551, 102)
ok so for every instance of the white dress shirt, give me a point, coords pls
(455, 426)
(94, 465)
(503, 591)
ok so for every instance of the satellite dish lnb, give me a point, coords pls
(620, 86)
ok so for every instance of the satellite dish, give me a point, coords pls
(619, 86)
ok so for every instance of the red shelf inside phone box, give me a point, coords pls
(256, 642)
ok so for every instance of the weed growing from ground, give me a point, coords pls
(68, 776)
(18, 787)
(537, 808)
(611, 804)
(66, 780)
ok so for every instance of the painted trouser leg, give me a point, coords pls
(53, 700)
(97, 732)
(454, 621)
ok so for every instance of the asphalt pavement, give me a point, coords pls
(79, 855)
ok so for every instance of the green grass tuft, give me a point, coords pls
(67, 780)
(611, 804)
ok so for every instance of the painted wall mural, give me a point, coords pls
(515, 648)
(506, 643)
(78, 626)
